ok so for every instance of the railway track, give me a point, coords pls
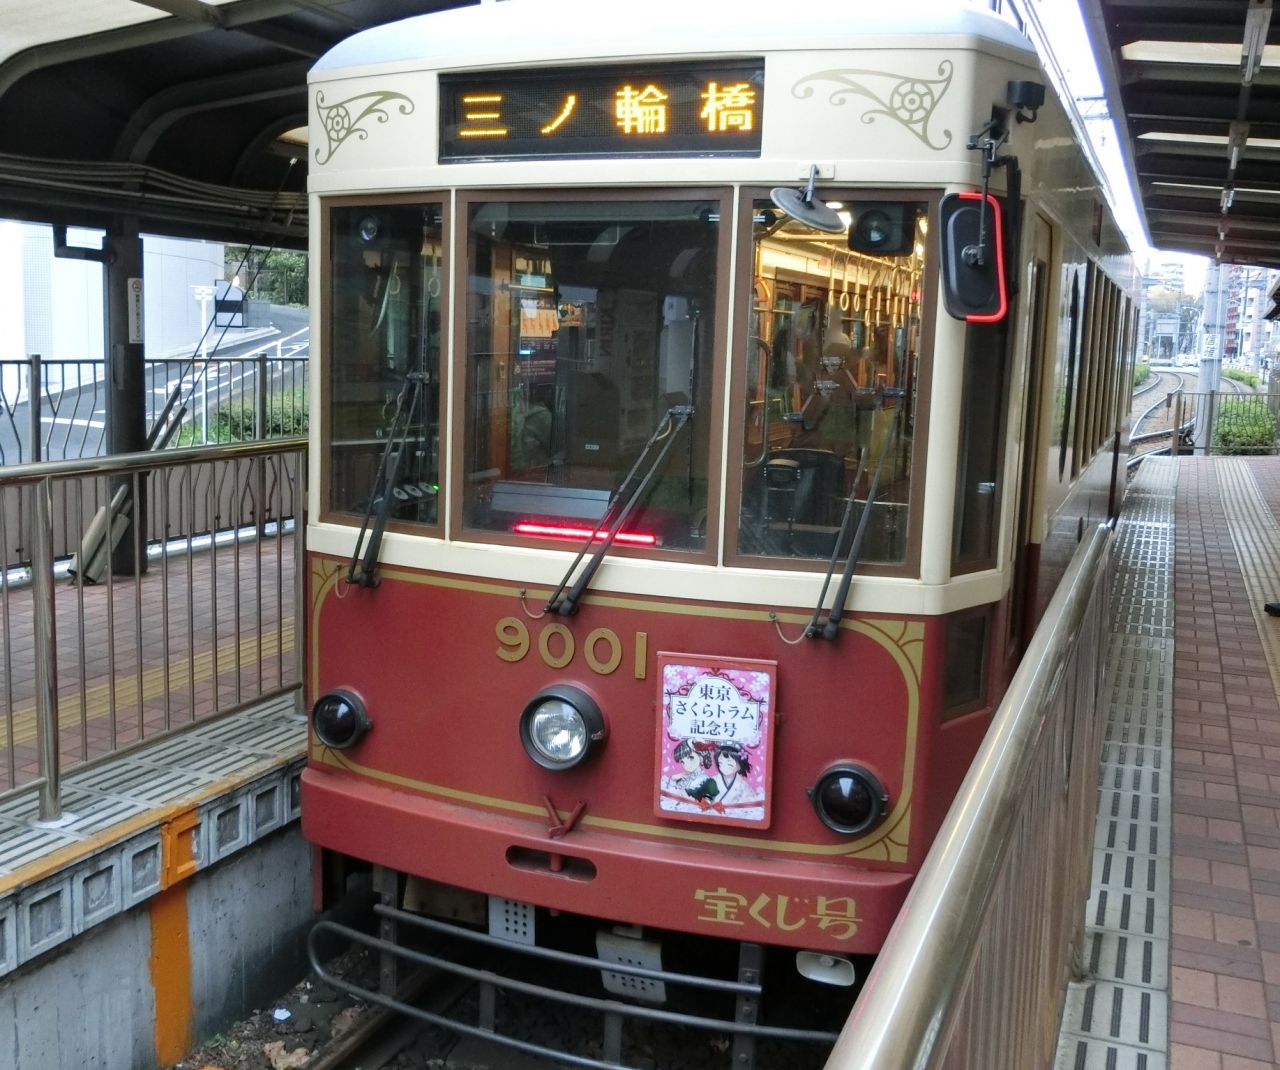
(1146, 435)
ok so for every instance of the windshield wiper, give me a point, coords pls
(363, 570)
(812, 628)
(831, 628)
(566, 604)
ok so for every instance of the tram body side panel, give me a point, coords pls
(442, 787)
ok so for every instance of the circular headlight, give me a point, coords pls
(340, 719)
(848, 799)
(558, 732)
(561, 726)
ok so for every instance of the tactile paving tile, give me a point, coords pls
(1117, 1017)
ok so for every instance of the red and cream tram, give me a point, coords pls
(696, 447)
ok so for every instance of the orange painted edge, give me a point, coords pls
(177, 841)
(170, 965)
(61, 859)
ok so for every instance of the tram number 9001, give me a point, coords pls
(602, 649)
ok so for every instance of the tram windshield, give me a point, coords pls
(832, 374)
(586, 321)
(384, 322)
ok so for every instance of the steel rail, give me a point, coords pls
(907, 1010)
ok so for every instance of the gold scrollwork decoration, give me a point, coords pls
(342, 120)
(907, 100)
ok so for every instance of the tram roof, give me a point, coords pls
(524, 31)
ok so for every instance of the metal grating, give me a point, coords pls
(1117, 1016)
(243, 745)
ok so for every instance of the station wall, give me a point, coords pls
(138, 991)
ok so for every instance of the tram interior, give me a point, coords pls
(831, 379)
(586, 323)
(385, 325)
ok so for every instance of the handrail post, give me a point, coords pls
(46, 650)
(299, 573)
(260, 396)
(34, 401)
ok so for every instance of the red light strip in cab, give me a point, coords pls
(555, 531)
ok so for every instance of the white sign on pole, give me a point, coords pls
(136, 330)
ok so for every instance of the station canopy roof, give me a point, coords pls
(1196, 84)
(185, 113)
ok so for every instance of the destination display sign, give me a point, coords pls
(574, 112)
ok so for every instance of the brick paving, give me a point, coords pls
(221, 622)
(1225, 997)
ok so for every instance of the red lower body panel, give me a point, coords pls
(822, 905)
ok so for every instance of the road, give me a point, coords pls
(73, 409)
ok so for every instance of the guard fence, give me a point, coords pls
(974, 970)
(199, 613)
(1225, 422)
(56, 409)
(192, 401)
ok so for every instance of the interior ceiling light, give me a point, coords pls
(1185, 139)
(296, 136)
(1200, 53)
(1256, 24)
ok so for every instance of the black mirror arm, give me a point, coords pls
(988, 141)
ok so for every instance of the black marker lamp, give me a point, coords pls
(848, 799)
(561, 727)
(340, 719)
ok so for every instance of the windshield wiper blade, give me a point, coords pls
(831, 628)
(811, 628)
(363, 570)
(566, 604)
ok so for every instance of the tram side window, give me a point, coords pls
(385, 304)
(586, 323)
(833, 360)
(981, 452)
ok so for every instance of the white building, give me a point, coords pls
(53, 306)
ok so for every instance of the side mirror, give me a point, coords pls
(974, 285)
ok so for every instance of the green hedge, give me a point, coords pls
(1240, 376)
(1141, 373)
(234, 422)
(1243, 425)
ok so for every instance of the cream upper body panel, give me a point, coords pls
(882, 98)
(871, 97)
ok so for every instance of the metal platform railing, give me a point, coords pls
(55, 409)
(1228, 422)
(974, 970)
(200, 619)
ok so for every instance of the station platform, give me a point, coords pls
(1182, 954)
